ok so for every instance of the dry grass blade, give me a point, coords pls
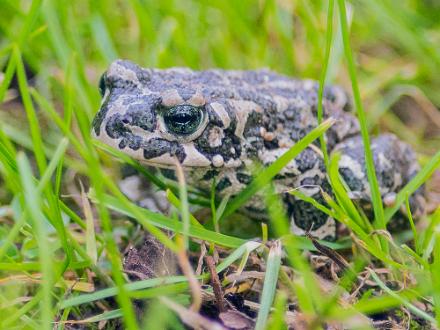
(91, 242)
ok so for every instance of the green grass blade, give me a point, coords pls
(352, 218)
(435, 277)
(371, 173)
(37, 141)
(7, 78)
(107, 315)
(110, 292)
(342, 196)
(38, 223)
(55, 160)
(164, 222)
(269, 285)
(328, 44)
(103, 39)
(277, 318)
(413, 226)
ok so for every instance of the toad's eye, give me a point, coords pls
(183, 119)
(102, 84)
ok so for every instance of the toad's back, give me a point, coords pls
(257, 109)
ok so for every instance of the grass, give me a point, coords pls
(52, 54)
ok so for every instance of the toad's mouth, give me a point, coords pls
(185, 155)
(158, 164)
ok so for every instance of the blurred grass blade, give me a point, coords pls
(37, 141)
(31, 18)
(41, 186)
(269, 285)
(176, 203)
(7, 78)
(111, 292)
(413, 226)
(107, 315)
(328, 43)
(90, 226)
(55, 160)
(430, 235)
(337, 47)
(277, 320)
(221, 209)
(38, 224)
(435, 277)
(103, 39)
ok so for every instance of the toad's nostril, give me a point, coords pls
(102, 84)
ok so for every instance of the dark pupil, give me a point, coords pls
(182, 119)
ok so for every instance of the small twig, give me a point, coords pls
(216, 284)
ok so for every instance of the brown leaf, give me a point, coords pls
(235, 320)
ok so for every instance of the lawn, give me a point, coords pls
(66, 228)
